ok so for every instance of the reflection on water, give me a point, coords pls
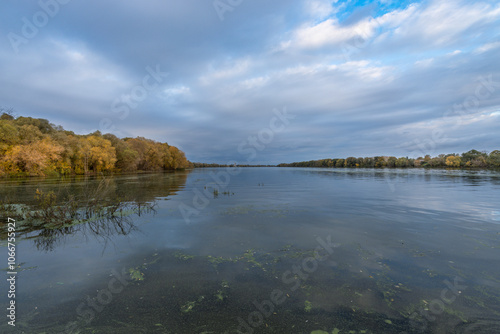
(286, 251)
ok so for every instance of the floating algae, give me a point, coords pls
(182, 256)
(188, 307)
(221, 294)
(135, 274)
(307, 306)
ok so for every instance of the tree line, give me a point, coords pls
(35, 147)
(470, 159)
(216, 165)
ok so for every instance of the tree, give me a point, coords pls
(178, 158)
(380, 162)
(37, 158)
(6, 116)
(391, 162)
(402, 162)
(453, 161)
(33, 146)
(439, 161)
(126, 156)
(42, 124)
(474, 158)
(494, 158)
(350, 162)
(102, 154)
(9, 135)
(29, 133)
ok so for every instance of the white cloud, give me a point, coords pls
(178, 90)
(255, 82)
(362, 69)
(331, 32)
(424, 62)
(454, 53)
(487, 47)
(235, 68)
(320, 9)
(443, 22)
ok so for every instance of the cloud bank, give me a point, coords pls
(361, 78)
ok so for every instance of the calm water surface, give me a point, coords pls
(276, 250)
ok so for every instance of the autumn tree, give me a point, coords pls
(102, 156)
(178, 158)
(126, 156)
(453, 161)
(9, 135)
(37, 158)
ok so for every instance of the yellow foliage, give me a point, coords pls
(453, 161)
(35, 158)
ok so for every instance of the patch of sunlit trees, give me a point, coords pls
(470, 159)
(35, 147)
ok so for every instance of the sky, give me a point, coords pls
(259, 81)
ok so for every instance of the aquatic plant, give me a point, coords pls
(135, 274)
(183, 257)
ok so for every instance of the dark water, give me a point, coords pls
(268, 250)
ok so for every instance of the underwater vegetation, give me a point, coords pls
(208, 293)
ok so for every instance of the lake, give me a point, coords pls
(264, 250)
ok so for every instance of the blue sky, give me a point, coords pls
(357, 78)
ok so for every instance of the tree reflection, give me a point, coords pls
(101, 208)
(102, 228)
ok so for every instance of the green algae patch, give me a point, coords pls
(221, 293)
(135, 274)
(183, 257)
(188, 307)
(307, 306)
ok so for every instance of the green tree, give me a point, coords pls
(9, 135)
(494, 159)
(380, 162)
(402, 162)
(350, 162)
(474, 158)
(391, 162)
